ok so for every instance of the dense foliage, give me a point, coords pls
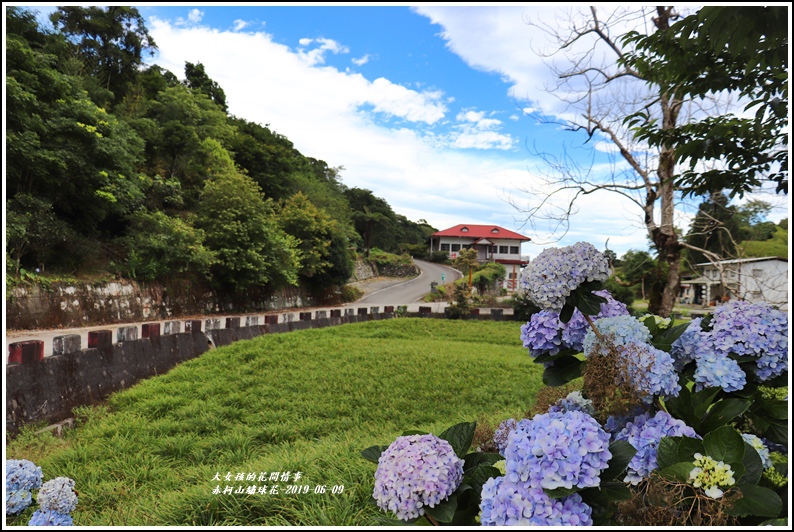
(117, 167)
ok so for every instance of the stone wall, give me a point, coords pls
(128, 301)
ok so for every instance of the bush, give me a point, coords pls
(351, 293)
(439, 257)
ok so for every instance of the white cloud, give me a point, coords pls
(333, 115)
(240, 24)
(361, 60)
(193, 17)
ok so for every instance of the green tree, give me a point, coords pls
(741, 50)
(715, 231)
(197, 79)
(110, 41)
(241, 229)
(466, 261)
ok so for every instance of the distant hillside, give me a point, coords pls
(777, 246)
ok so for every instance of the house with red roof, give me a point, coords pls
(493, 244)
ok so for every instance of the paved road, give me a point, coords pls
(397, 293)
(407, 292)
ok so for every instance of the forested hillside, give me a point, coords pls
(117, 167)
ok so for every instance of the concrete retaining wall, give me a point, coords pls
(40, 388)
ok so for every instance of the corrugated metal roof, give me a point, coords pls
(481, 231)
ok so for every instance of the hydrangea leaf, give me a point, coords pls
(724, 444)
(481, 475)
(561, 492)
(563, 371)
(678, 472)
(473, 460)
(753, 466)
(722, 413)
(622, 453)
(664, 339)
(373, 453)
(460, 437)
(756, 500)
(444, 511)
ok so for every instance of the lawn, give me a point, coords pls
(307, 401)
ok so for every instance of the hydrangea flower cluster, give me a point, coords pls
(741, 328)
(57, 495)
(710, 475)
(644, 434)
(573, 401)
(557, 450)
(756, 443)
(502, 432)
(556, 272)
(574, 331)
(649, 371)
(621, 330)
(50, 518)
(715, 370)
(543, 333)
(415, 472)
(22, 477)
(506, 503)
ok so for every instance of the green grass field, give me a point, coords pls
(306, 401)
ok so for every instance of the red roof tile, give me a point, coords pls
(481, 231)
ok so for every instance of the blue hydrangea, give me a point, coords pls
(574, 331)
(616, 423)
(556, 272)
(715, 370)
(644, 434)
(542, 334)
(50, 518)
(649, 371)
(502, 432)
(22, 476)
(753, 329)
(415, 472)
(505, 503)
(58, 495)
(557, 450)
(756, 443)
(573, 401)
(692, 342)
(620, 329)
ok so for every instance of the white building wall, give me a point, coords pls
(765, 282)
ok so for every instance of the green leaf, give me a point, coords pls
(472, 460)
(562, 372)
(753, 466)
(701, 402)
(444, 511)
(722, 413)
(665, 339)
(756, 500)
(560, 492)
(373, 453)
(481, 475)
(667, 452)
(566, 313)
(678, 472)
(622, 453)
(724, 444)
(616, 491)
(460, 437)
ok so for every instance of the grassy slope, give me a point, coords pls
(306, 401)
(777, 246)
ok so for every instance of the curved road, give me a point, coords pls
(411, 291)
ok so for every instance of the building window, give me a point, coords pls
(455, 247)
(466, 246)
(464, 229)
(444, 247)
(514, 250)
(757, 272)
(503, 250)
(494, 230)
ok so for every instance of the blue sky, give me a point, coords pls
(436, 109)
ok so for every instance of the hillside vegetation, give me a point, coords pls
(117, 168)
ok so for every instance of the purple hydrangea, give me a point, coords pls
(621, 330)
(556, 272)
(557, 450)
(415, 472)
(574, 331)
(715, 370)
(650, 371)
(644, 434)
(505, 503)
(692, 342)
(58, 495)
(22, 476)
(542, 333)
(616, 423)
(502, 432)
(50, 518)
(573, 401)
